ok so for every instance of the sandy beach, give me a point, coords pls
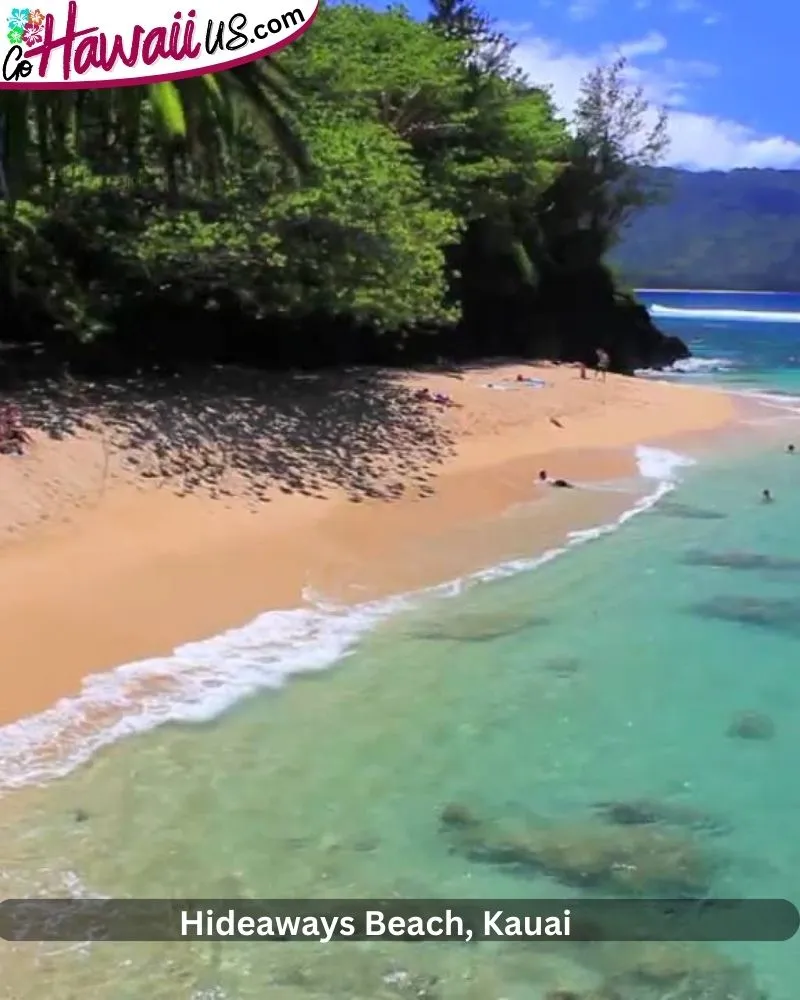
(140, 518)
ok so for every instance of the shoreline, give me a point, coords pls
(143, 571)
(266, 791)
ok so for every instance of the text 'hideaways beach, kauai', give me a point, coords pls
(369, 544)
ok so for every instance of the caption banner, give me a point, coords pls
(397, 920)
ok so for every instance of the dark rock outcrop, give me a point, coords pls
(580, 311)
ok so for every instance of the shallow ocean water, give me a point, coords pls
(612, 674)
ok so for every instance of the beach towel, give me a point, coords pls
(522, 383)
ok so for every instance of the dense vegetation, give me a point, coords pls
(383, 190)
(738, 230)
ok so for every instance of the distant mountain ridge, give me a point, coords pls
(738, 231)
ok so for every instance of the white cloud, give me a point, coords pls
(583, 10)
(650, 45)
(706, 143)
(700, 142)
(708, 16)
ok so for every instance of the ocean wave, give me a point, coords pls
(692, 366)
(729, 315)
(202, 680)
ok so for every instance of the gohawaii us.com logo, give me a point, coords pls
(95, 44)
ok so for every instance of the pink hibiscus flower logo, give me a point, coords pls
(32, 34)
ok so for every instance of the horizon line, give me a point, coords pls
(716, 291)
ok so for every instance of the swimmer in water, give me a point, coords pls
(790, 449)
(560, 483)
(766, 496)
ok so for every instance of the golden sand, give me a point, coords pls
(356, 493)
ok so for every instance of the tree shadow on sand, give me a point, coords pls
(364, 432)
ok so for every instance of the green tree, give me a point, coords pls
(381, 176)
(617, 138)
(383, 65)
(363, 240)
(187, 123)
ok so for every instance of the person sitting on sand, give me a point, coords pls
(426, 396)
(766, 496)
(13, 436)
(560, 483)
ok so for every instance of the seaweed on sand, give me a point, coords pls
(632, 860)
(672, 508)
(480, 626)
(751, 726)
(646, 812)
(779, 614)
(734, 559)
(562, 666)
(665, 971)
(678, 970)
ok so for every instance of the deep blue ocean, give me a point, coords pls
(748, 339)
(622, 721)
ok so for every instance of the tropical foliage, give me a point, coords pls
(382, 186)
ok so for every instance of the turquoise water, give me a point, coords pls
(619, 672)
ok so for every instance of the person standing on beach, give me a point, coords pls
(603, 363)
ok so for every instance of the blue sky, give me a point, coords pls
(727, 70)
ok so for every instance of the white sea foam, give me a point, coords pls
(787, 406)
(691, 366)
(661, 463)
(201, 680)
(727, 315)
(781, 400)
